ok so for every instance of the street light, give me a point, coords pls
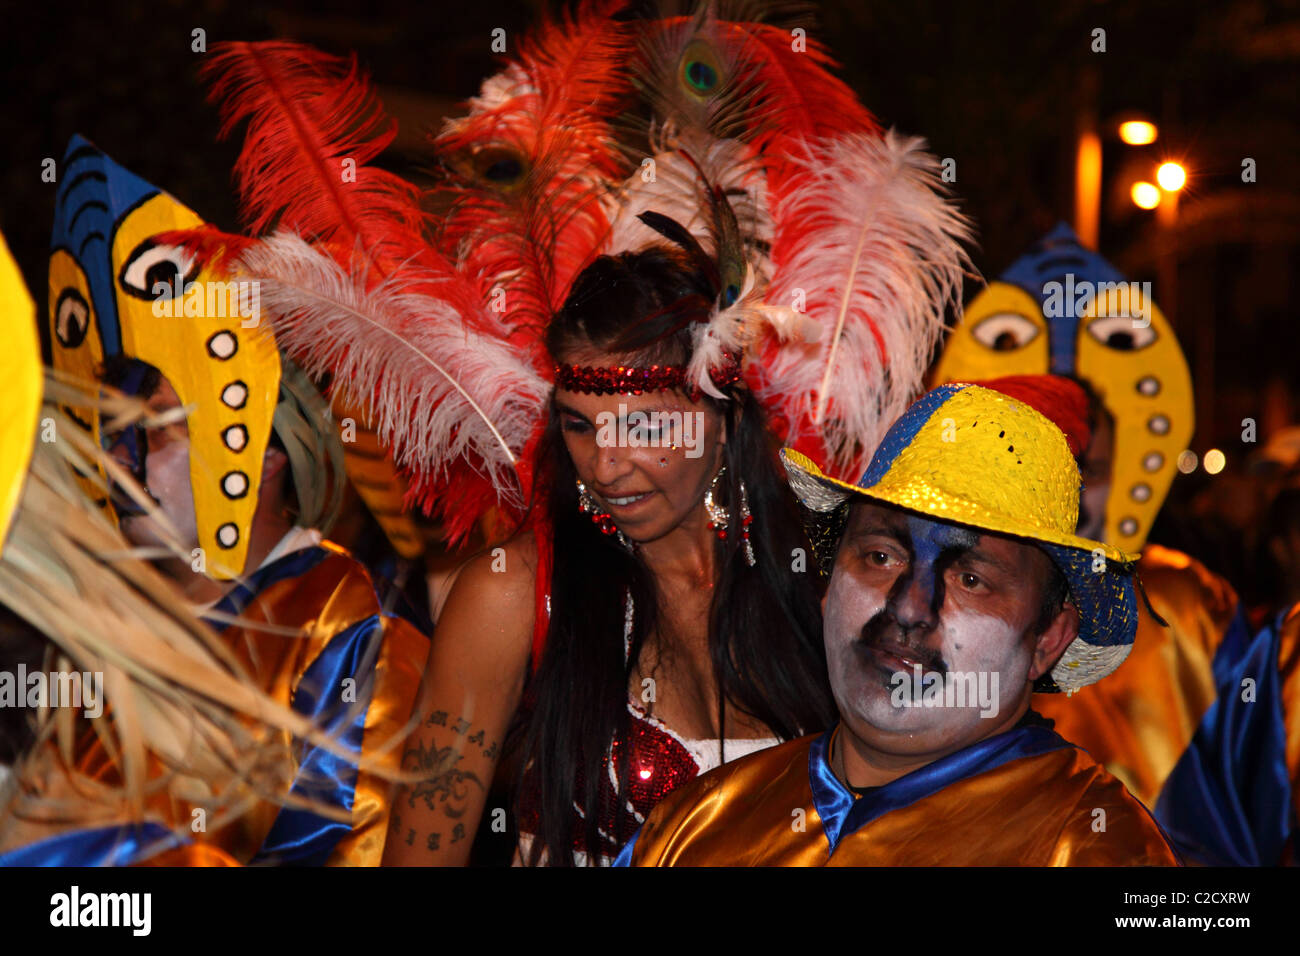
(1137, 132)
(1145, 195)
(1171, 177)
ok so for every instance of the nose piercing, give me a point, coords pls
(663, 462)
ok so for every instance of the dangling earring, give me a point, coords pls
(601, 519)
(720, 517)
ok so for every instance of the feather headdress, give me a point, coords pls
(868, 248)
(413, 340)
(839, 248)
(530, 164)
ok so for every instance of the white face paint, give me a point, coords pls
(167, 472)
(908, 592)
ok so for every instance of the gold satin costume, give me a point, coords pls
(330, 599)
(1023, 798)
(1140, 719)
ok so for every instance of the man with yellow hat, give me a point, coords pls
(957, 585)
(1171, 724)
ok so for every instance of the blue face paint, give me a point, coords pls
(933, 544)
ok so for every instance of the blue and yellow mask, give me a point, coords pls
(117, 291)
(1065, 310)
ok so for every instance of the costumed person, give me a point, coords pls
(173, 742)
(755, 252)
(958, 583)
(1170, 723)
(247, 477)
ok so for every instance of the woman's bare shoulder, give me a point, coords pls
(494, 592)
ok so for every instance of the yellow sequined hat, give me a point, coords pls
(1064, 309)
(117, 291)
(22, 374)
(976, 457)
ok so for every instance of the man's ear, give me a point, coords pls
(1053, 641)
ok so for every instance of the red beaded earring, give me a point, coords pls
(720, 517)
(601, 519)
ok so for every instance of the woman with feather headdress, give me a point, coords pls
(753, 259)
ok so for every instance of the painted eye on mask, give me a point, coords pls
(1005, 332)
(71, 318)
(152, 270)
(1118, 332)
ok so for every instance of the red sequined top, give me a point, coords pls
(660, 761)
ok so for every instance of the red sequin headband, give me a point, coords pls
(626, 380)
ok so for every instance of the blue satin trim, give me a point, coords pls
(624, 857)
(843, 815)
(298, 836)
(104, 846)
(1228, 800)
(290, 566)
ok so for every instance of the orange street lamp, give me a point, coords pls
(1137, 132)
(1145, 195)
(1171, 177)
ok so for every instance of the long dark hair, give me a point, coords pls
(764, 625)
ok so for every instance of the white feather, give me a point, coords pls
(728, 331)
(672, 186)
(878, 247)
(438, 390)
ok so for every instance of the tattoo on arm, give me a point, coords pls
(444, 784)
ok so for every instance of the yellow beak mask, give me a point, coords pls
(1065, 310)
(115, 290)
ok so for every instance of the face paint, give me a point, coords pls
(164, 460)
(908, 592)
(918, 593)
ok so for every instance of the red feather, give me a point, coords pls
(799, 99)
(532, 161)
(313, 121)
(308, 113)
